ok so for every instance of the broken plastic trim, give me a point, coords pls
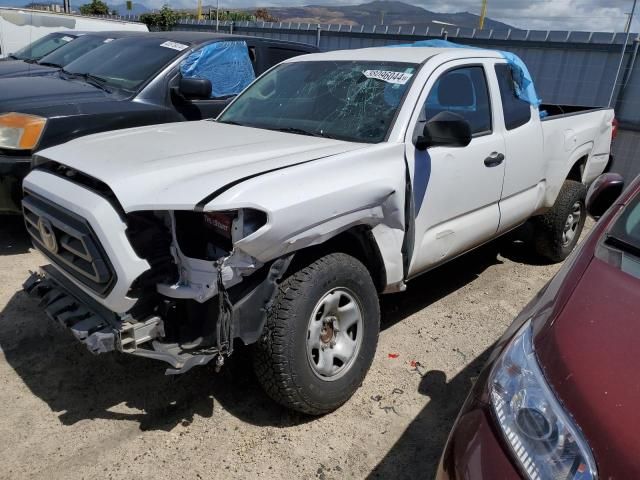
(198, 277)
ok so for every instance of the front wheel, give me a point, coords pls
(321, 335)
(557, 232)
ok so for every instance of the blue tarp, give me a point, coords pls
(525, 89)
(226, 64)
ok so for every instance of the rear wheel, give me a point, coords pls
(321, 335)
(557, 232)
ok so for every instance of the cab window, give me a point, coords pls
(463, 91)
(517, 112)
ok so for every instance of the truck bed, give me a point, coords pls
(575, 135)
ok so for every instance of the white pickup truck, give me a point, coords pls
(333, 178)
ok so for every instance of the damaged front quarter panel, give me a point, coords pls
(310, 203)
(321, 200)
(305, 205)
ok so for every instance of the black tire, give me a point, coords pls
(549, 228)
(280, 357)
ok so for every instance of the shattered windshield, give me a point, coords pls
(353, 101)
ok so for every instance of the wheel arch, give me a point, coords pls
(576, 172)
(358, 242)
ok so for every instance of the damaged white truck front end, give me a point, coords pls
(181, 285)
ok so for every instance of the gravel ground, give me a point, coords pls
(67, 414)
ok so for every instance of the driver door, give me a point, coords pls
(456, 191)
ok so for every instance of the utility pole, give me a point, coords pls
(199, 14)
(624, 50)
(483, 14)
(217, 14)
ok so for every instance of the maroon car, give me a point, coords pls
(560, 395)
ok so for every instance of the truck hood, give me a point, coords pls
(175, 166)
(589, 356)
(36, 94)
(18, 68)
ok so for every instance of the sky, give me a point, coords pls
(593, 15)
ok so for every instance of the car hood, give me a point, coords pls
(18, 68)
(36, 94)
(175, 166)
(589, 354)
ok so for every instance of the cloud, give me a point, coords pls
(600, 15)
(592, 15)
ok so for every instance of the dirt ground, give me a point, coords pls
(65, 413)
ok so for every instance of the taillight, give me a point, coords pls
(614, 129)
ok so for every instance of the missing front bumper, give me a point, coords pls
(102, 331)
(96, 331)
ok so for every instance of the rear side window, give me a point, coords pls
(463, 91)
(517, 112)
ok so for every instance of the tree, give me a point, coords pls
(164, 20)
(264, 15)
(96, 7)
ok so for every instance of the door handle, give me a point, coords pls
(494, 159)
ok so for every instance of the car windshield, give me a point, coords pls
(43, 46)
(625, 233)
(353, 101)
(74, 50)
(127, 63)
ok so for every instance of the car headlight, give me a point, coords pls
(542, 436)
(19, 131)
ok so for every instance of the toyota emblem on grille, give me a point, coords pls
(47, 235)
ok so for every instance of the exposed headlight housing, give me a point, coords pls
(19, 131)
(542, 436)
(210, 235)
(234, 225)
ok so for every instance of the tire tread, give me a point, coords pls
(548, 227)
(270, 360)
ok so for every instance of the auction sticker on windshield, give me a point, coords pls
(399, 78)
(174, 45)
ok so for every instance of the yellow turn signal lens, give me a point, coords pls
(19, 131)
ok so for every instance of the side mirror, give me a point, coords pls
(446, 129)
(603, 193)
(195, 87)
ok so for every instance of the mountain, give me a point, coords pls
(380, 12)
